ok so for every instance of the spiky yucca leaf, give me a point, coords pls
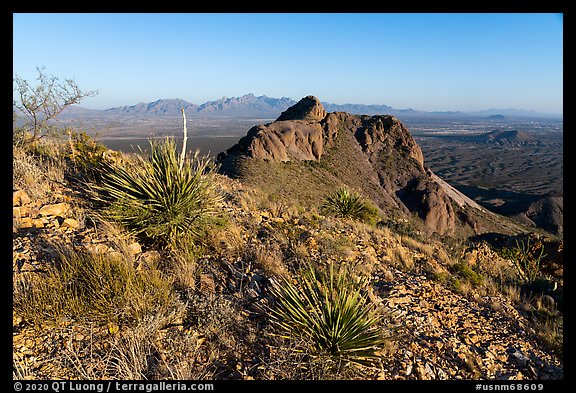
(157, 197)
(346, 204)
(331, 310)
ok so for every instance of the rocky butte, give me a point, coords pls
(373, 154)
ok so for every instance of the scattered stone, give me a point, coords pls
(20, 198)
(26, 222)
(70, 223)
(207, 284)
(20, 211)
(57, 209)
(518, 357)
(98, 248)
(150, 257)
(40, 222)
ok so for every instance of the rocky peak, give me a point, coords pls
(378, 147)
(308, 108)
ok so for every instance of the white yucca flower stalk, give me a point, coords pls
(183, 154)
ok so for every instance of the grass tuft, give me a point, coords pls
(95, 287)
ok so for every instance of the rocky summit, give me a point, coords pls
(374, 154)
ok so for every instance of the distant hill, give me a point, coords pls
(546, 212)
(169, 107)
(247, 105)
(252, 106)
(507, 137)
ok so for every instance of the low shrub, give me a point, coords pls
(86, 154)
(463, 270)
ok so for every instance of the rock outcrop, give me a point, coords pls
(306, 132)
(546, 212)
(308, 108)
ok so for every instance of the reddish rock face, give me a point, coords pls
(286, 140)
(305, 132)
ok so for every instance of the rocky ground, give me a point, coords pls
(441, 333)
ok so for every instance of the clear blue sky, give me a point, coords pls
(428, 62)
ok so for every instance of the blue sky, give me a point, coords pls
(428, 62)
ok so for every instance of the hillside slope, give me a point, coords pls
(311, 151)
(458, 311)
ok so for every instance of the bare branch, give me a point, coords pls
(47, 100)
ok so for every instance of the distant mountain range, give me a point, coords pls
(251, 106)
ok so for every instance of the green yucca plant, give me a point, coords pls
(330, 309)
(346, 204)
(161, 196)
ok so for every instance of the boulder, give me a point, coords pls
(70, 223)
(57, 209)
(308, 108)
(20, 198)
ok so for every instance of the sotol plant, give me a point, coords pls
(329, 309)
(160, 197)
(346, 204)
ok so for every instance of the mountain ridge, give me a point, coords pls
(250, 105)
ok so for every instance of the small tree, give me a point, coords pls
(44, 102)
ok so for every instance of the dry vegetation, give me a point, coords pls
(196, 301)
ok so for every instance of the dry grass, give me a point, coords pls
(95, 287)
(21, 369)
(132, 356)
(269, 258)
(35, 174)
(228, 241)
(401, 257)
(550, 332)
(290, 360)
(183, 264)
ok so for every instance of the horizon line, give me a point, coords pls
(332, 103)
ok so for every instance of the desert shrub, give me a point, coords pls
(527, 257)
(160, 197)
(86, 154)
(463, 270)
(346, 204)
(330, 310)
(95, 287)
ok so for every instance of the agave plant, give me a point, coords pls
(346, 204)
(160, 196)
(329, 309)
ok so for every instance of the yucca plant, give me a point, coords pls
(160, 197)
(329, 309)
(346, 204)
